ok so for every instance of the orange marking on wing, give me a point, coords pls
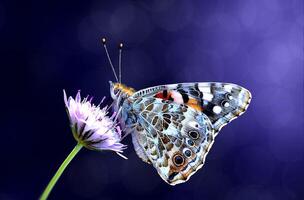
(194, 104)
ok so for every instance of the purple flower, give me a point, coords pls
(91, 125)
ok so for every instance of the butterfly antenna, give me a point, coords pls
(119, 61)
(108, 56)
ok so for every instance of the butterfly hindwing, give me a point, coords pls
(174, 137)
(221, 102)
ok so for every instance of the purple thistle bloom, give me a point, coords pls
(91, 125)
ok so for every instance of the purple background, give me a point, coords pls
(47, 46)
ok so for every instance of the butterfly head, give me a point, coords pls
(114, 91)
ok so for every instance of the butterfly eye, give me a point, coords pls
(116, 91)
(193, 134)
(187, 152)
(178, 160)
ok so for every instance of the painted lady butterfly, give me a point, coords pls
(173, 126)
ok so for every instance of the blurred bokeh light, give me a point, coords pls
(53, 45)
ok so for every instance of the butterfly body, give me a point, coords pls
(173, 126)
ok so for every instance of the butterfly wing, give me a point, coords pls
(221, 102)
(175, 138)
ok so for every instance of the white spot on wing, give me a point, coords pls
(204, 89)
(226, 104)
(217, 109)
(207, 96)
(228, 88)
(172, 86)
(177, 97)
(193, 124)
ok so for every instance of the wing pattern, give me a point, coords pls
(221, 102)
(175, 138)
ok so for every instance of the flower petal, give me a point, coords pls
(65, 99)
(78, 97)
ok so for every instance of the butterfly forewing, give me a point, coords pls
(221, 102)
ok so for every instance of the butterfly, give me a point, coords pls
(173, 126)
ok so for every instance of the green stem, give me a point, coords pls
(62, 167)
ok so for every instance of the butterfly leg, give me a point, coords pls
(128, 129)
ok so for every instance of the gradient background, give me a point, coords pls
(47, 46)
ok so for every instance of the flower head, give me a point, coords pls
(91, 125)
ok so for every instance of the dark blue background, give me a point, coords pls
(47, 46)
